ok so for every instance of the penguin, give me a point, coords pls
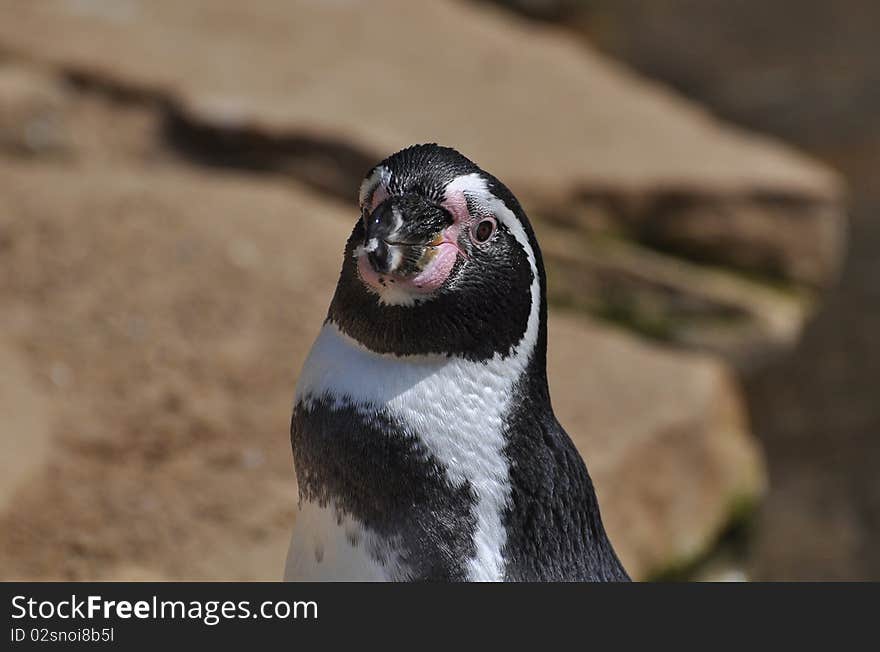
(424, 441)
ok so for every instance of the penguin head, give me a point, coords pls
(442, 261)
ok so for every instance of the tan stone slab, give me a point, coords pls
(25, 435)
(530, 103)
(665, 438)
(182, 304)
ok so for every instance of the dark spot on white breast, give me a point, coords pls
(353, 537)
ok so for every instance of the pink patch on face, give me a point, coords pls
(380, 194)
(437, 271)
(429, 279)
(368, 275)
(456, 204)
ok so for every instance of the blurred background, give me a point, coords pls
(177, 181)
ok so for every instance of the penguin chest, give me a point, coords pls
(328, 546)
(375, 503)
(400, 465)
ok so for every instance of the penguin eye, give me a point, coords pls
(484, 230)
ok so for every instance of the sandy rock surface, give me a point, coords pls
(25, 438)
(531, 104)
(32, 113)
(665, 437)
(179, 308)
(165, 313)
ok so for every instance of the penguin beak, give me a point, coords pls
(402, 234)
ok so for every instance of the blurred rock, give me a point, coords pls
(531, 104)
(585, 143)
(782, 238)
(170, 449)
(32, 112)
(665, 437)
(671, 299)
(541, 9)
(24, 425)
(175, 450)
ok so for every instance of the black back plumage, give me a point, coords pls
(554, 527)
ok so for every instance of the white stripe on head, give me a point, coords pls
(375, 187)
(488, 564)
(473, 187)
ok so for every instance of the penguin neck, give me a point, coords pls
(344, 370)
